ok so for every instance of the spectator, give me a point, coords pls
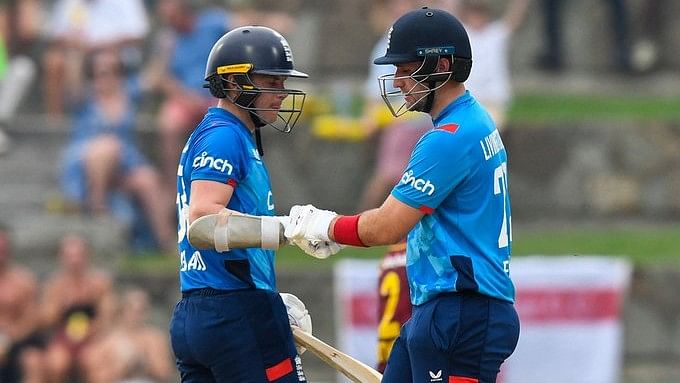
(177, 70)
(552, 57)
(84, 25)
(395, 138)
(489, 80)
(21, 346)
(177, 67)
(19, 26)
(76, 307)
(103, 170)
(133, 350)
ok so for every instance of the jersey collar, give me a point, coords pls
(463, 99)
(229, 116)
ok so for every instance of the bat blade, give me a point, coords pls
(353, 369)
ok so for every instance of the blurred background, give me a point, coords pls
(98, 96)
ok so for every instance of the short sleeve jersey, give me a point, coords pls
(222, 149)
(457, 175)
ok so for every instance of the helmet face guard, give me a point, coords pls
(424, 35)
(254, 50)
(425, 83)
(247, 92)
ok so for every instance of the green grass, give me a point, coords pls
(573, 108)
(642, 245)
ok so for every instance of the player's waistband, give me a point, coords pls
(472, 294)
(209, 292)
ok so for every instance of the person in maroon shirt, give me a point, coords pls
(394, 306)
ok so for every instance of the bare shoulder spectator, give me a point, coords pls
(490, 38)
(103, 170)
(76, 307)
(134, 350)
(85, 25)
(21, 346)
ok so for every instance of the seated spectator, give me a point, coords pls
(133, 350)
(177, 69)
(81, 26)
(21, 346)
(103, 170)
(19, 30)
(76, 304)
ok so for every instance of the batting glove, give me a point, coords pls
(297, 315)
(317, 249)
(310, 223)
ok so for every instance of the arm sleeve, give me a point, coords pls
(219, 155)
(438, 164)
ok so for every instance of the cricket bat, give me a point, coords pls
(353, 369)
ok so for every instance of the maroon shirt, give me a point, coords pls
(394, 306)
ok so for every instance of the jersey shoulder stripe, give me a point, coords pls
(451, 128)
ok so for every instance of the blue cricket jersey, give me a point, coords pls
(222, 149)
(457, 175)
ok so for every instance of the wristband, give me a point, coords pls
(346, 230)
(270, 229)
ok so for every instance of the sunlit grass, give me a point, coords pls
(571, 108)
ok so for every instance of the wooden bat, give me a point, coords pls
(353, 369)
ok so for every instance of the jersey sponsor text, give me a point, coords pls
(204, 160)
(419, 184)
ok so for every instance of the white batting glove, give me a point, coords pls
(297, 315)
(310, 223)
(317, 249)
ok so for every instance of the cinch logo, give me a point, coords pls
(420, 184)
(215, 163)
(435, 377)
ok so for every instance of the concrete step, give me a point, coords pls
(36, 237)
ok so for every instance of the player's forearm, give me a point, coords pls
(376, 229)
(198, 210)
(232, 230)
(373, 229)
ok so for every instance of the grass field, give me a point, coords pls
(569, 108)
(646, 244)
